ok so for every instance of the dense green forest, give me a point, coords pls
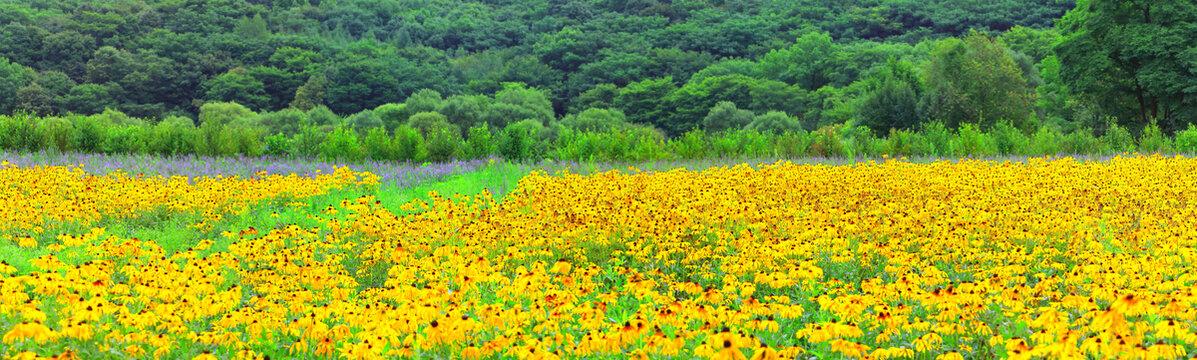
(293, 66)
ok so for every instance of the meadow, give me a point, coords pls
(882, 258)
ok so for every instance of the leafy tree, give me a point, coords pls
(237, 86)
(465, 111)
(424, 100)
(1133, 59)
(596, 120)
(35, 99)
(13, 77)
(803, 64)
(893, 100)
(88, 99)
(774, 122)
(973, 80)
(642, 102)
(364, 121)
(391, 115)
(725, 116)
(311, 94)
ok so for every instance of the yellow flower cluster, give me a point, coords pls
(1055, 259)
(37, 198)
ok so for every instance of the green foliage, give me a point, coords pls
(479, 143)
(1186, 141)
(342, 144)
(1132, 59)
(237, 86)
(1153, 140)
(974, 80)
(519, 141)
(1118, 139)
(409, 145)
(725, 116)
(599, 120)
(392, 115)
(938, 138)
(379, 145)
(279, 145)
(1009, 140)
(1046, 141)
(364, 121)
(774, 122)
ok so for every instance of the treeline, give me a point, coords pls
(601, 136)
(157, 58)
(672, 66)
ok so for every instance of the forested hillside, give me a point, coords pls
(673, 65)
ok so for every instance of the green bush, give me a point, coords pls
(342, 144)
(279, 145)
(519, 142)
(691, 145)
(793, 143)
(478, 144)
(1008, 140)
(1117, 139)
(379, 145)
(443, 144)
(1045, 141)
(1186, 141)
(938, 138)
(409, 144)
(973, 142)
(56, 134)
(1154, 140)
(1081, 141)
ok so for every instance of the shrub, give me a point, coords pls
(279, 145)
(793, 143)
(409, 144)
(1186, 141)
(938, 138)
(1046, 141)
(973, 142)
(774, 122)
(691, 145)
(1118, 139)
(1081, 141)
(342, 144)
(479, 143)
(1153, 140)
(725, 116)
(379, 145)
(443, 143)
(1008, 140)
(56, 134)
(596, 120)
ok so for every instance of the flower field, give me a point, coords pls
(1044, 258)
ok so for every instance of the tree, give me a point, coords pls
(465, 111)
(974, 80)
(88, 99)
(803, 64)
(893, 100)
(645, 102)
(1133, 59)
(774, 122)
(237, 86)
(13, 77)
(311, 94)
(725, 116)
(598, 120)
(34, 98)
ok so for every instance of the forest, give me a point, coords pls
(277, 74)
